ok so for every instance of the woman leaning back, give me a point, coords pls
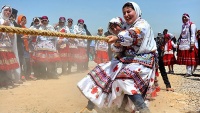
(132, 73)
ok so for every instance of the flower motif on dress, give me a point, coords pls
(152, 80)
(139, 70)
(134, 92)
(116, 68)
(94, 90)
(121, 38)
(117, 89)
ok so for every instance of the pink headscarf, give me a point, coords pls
(187, 24)
(188, 17)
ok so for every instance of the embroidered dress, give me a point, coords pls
(63, 48)
(131, 73)
(8, 60)
(169, 58)
(45, 50)
(185, 55)
(81, 53)
(72, 46)
(101, 49)
(33, 40)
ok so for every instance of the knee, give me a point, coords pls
(138, 101)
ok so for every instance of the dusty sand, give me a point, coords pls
(62, 96)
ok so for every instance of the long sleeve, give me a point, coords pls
(140, 36)
(116, 49)
(193, 32)
(173, 44)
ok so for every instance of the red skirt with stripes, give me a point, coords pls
(101, 57)
(71, 54)
(169, 59)
(45, 56)
(81, 55)
(8, 61)
(187, 57)
(63, 53)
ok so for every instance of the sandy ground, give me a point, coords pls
(62, 96)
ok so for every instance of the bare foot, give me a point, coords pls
(170, 89)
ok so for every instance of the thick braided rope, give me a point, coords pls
(24, 31)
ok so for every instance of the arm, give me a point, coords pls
(116, 49)
(134, 36)
(193, 31)
(173, 44)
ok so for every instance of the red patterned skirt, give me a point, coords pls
(72, 53)
(101, 57)
(187, 57)
(45, 56)
(81, 55)
(169, 59)
(8, 61)
(63, 53)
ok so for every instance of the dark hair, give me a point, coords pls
(14, 11)
(31, 24)
(128, 4)
(165, 29)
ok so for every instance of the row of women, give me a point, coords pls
(40, 53)
(130, 76)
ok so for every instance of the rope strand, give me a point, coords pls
(9, 29)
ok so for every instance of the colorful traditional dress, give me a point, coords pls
(8, 60)
(45, 49)
(101, 48)
(63, 48)
(72, 47)
(131, 73)
(81, 55)
(186, 55)
(169, 58)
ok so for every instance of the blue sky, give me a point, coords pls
(160, 14)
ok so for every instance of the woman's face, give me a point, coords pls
(81, 25)
(36, 22)
(100, 31)
(129, 15)
(23, 21)
(7, 12)
(45, 22)
(184, 19)
(115, 28)
(61, 23)
(70, 23)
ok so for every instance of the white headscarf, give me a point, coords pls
(148, 44)
(16, 72)
(2, 12)
(137, 9)
(116, 20)
(36, 18)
